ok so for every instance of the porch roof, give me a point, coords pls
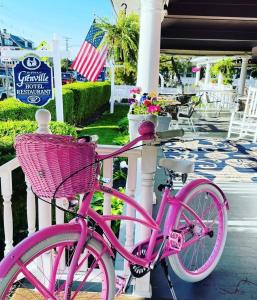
(210, 27)
(206, 27)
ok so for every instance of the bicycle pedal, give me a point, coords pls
(176, 240)
(120, 284)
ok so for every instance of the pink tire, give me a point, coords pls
(198, 260)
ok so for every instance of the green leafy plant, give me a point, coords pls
(167, 70)
(227, 69)
(122, 38)
(116, 207)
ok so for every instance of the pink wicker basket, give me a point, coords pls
(47, 160)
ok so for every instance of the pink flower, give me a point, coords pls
(154, 109)
(135, 90)
(195, 69)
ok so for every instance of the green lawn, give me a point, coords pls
(108, 127)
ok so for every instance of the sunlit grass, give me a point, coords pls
(107, 127)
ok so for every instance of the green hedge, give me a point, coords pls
(9, 130)
(13, 109)
(80, 101)
(89, 97)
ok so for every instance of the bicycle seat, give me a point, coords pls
(177, 165)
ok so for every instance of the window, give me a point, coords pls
(8, 42)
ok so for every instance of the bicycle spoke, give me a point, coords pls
(199, 244)
(89, 278)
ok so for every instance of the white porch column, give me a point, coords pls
(149, 44)
(197, 76)
(241, 83)
(220, 79)
(147, 78)
(207, 75)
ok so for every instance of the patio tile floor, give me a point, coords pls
(235, 277)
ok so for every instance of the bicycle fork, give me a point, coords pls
(74, 263)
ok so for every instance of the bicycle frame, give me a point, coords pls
(174, 203)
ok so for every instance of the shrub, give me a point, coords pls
(123, 125)
(89, 98)
(81, 100)
(13, 109)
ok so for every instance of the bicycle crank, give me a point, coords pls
(137, 270)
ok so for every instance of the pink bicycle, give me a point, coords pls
(73, 261)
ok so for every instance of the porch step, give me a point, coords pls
(22, 294)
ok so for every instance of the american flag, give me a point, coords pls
(90, 60)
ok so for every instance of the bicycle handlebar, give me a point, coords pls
(156, 137)
(169, 134)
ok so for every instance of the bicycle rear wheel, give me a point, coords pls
(198, 259)
(39, 271)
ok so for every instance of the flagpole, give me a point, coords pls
(112, 68)
(58, 79)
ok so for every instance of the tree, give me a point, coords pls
(122, 39)
(65, 64)
(167, 69)
(227, 68)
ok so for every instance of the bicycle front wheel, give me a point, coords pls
(39, 271)
(196, 261)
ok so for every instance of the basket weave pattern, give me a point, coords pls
(48, 159)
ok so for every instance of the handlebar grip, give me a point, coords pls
(170, 134)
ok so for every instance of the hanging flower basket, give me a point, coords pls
(196, 69)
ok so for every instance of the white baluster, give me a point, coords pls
(59, 214)
(148, 168)
(6, 183)
(59, 219)
(107, 173)
(43, 118)
(130, 211)
(31, 209)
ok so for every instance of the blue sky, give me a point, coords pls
(38, 20)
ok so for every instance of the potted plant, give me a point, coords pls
(147, 107)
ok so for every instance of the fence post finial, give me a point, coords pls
(43, 118)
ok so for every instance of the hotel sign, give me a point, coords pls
(33, 81)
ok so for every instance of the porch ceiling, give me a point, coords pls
(208, 27)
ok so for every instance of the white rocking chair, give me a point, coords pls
(244, 124)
